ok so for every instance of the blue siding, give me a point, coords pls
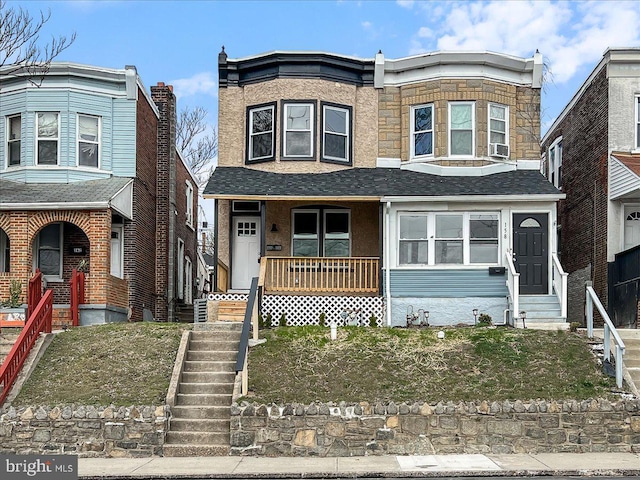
(447, 283)
(118, 131)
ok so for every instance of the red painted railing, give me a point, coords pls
(34, 293)
(39, 321)
(77, 295)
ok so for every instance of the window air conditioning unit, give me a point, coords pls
(499, 150)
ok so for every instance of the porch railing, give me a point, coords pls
(609, 331)
(34, 294)
(250, 317)
(222, 273)
(77, 295)
(39, 321)
(560, 284)
(322, 274)
(513, 286)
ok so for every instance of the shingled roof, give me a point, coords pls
(373, 183)
(91, 191)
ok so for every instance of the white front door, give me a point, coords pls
(116, 251)
(246, 252)
(631, 227)
(188, 281)
(180, 269)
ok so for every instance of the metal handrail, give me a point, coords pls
(609, 330)
(513, 285)
(560, 284)
(243, 349)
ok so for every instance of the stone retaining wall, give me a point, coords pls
(404, 429)
(85, 431)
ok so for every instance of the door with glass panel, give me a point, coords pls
(530, 251)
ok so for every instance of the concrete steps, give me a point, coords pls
(631, 357)
(8, 337)
(231, 310)
(200, 423)
(543, 313)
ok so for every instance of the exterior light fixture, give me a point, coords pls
(523, 316)
(274, 227)
(475, 316)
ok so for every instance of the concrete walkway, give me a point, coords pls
(543, 464)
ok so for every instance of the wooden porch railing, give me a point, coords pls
(39, 321)
(321, 275)
(77, 295)
(34, 294)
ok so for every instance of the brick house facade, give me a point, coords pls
(58, 210)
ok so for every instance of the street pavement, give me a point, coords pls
(390, 466)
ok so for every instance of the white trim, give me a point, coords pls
(100, 174)
(324, 227)
(346, 135)
(636, 123)
(308, 237)
(310, 130)
(271, 107)
(97, 143)
(119, 229)
(443, 171)
(384, 162)
(36, 156)
(180, 268)
(189, 210)
(506, 125)
(450, 130)
(8, 141)
(555, 162)
(476, 198)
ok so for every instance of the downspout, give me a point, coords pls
(387, 259)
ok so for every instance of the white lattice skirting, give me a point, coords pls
(227, 296)
(302, 310)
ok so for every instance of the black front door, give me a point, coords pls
(530, 244)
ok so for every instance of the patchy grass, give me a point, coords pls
(302, 364)
(119, 363)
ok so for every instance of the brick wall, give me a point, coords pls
(185, 232)
(395, 115)
(583, 214)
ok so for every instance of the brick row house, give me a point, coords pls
(90, 178)
(383, 190)
(592, 153)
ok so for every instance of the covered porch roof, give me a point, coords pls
(625, 175)
(373, 184)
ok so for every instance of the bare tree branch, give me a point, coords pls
(198, 141)
(20, 47)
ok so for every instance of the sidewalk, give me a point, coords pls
(612, 464)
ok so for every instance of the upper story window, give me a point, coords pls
(638, 121)
(14, 143)
(298, 130)
(498, 130)
(421, 130)
(189, 205)
(48, 131)
(336, 133)
(555, 162)
(461, 129)
(88, 141)
(261, 129)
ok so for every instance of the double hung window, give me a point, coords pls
(298, 130)
(336, 133)
(47, 128)
(88, 141)
(189, 204)
(464, 238)
(555, 162)
(421, 130)
(261, 127)
(461, 129)
(498, 129)
(14, 136)
(323, 232)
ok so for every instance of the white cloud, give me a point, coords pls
(201, 83)
(366, 25)
(569, 35)
(405, 3)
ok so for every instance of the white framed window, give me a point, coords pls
(5, 252)
(336, 241)
(49, 251)
(448, 238)
(637, 122)
(336, 133)
(298, 130)
(422, 138)
(462, 129)
(498, 130)
(261, 133)
(189, 204)
(555, 162)
(181, 258)
(14, 140)
(88, 136)
(47, 138)
(305, 241)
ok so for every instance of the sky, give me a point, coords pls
(177, 42)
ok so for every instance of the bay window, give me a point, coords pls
(461, 129)
(460, 238)
(47, 136)
(14, 135)
(298, 130)
(421, 130)
(88, 141)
